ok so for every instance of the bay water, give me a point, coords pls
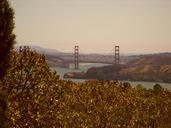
(83, 67)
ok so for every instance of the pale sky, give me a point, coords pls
(138, 26)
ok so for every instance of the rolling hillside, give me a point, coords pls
(145, 68)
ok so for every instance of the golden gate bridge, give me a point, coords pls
(82, 59)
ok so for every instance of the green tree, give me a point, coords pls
(7, 38)
(157, 88)
(3, 111)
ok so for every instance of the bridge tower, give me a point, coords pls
(117, 57)
(76, 57)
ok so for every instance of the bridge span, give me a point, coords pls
(90, 61)
(64, 60)
(82, 59)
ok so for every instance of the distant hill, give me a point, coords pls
(154, 59)
(155, 67)
(41, 49)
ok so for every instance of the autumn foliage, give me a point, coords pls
(37, 98)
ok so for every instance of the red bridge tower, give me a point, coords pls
(117, 56)
(76, 57)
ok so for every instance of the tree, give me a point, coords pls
(32, 88)
(7, 38)
(3, 111)
(157, 88)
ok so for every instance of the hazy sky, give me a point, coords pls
(95, 25)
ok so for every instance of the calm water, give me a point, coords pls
(83, 68)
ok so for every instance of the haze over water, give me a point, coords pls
(138, 26)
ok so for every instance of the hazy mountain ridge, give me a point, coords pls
(40, 49)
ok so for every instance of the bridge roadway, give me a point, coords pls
(91, 61)
(67, 59)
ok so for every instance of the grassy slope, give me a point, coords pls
(146, 68)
